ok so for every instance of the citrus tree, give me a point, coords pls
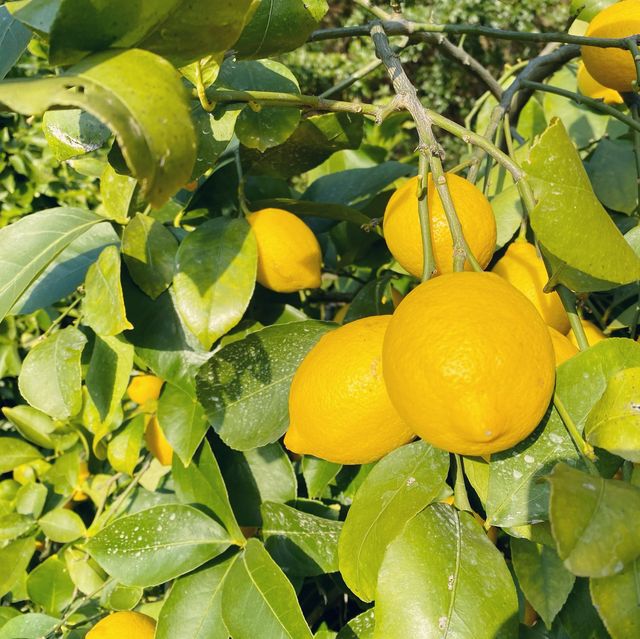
(294, 373)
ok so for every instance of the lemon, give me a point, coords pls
(144, 388)
(124, 625)
(523, 268)
(593, 333)
(157, 443)
(589, 86)
(289, 256)
(338, 406)
(614, 68)
(468, 363)
(401, 225)
(83, 475)
(563, 348)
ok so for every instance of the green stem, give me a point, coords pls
(200, 88)
(114, 511)
(460, 496)
(635, 113)
(428, 265)
(632, 44)
(569, 302)
(352, 79)
(242, 198)
(584, 448)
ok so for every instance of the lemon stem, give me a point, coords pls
(569, 302)
(460, 496)
(242, 198)
(428, 265)
(584, 448)
(200, 88)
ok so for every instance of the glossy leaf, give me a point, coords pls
(62, 525)
(372, 299)
(360, 627)
(215, 276)
(545, 581)
(117, 88)
(15, 557)
(50, 586)
(108, 374)
(84, 571)
(14, 452)
(614, 421)
(398, 487)
(14, 38)
(256, 583)
(30, 499)
(41, 237)
(119, 195)
(279, 26)
(587, 251)
(182, 420)
(454, 577)
(157, 544)
(31, 625)
(50, 379)
(149, 250)
(201, 483)
(244, 387)
(73, 132)
(123, 450)
(103, 306)
(302, 544)
(593, 522)
(317, 474)
(214, 132)
(323, 210)
(194, 606)
(616, 599)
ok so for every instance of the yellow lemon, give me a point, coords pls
(157, 443)
(338, 406)
(83, 475)
(468, 363)
(593, 333)
(563, 348)
(614, 68)
(144, 388)
(523, 268)
(401, 225)
(289, 256)
(124, 625)
(589, 86)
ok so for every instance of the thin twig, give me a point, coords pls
(569, 302)
(584, 448)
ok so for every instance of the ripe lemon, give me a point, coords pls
(614, 68)
(157, 443)
(468, 363)
(339, 409)
(289, 256)
(144, 388)
(523, 268)
(124, 625)
(401, 225)
(562, 347)
(83, 475)
(593, 333)
(589, 86)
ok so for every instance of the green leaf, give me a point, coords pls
(594, 522)
(614, 421)
(244, 387)
(214, 131)
(182, 420)
(589, 9)
(360, 627)
(14, 39)
(117, 596)
(117, 88)
(31, 625)
(327, 211)
(157, 544)
(123, 450)
(30, 499)
(317, 474)
(516, 494)
(50, 586)
(616, 599)
(39, 428)
(256, 584)
(73, 132)
(215, 276)
(62, 525)
(586, 250)
(41, 237)
(149, 250)
(398, 487)
(50, 379)
(269, 126)
(67, 271)
(302, 544)
(507, 208)
(84, 571)
(108, 374)
(103, 306)
(545, 581)
(15, 525)
(256, 476)
(194, 606)
(279, 26)
(455, 579)
(201, 483)
(15, 558)
(371, 299)
(14, 452)
(119, 195)
(316, 139)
